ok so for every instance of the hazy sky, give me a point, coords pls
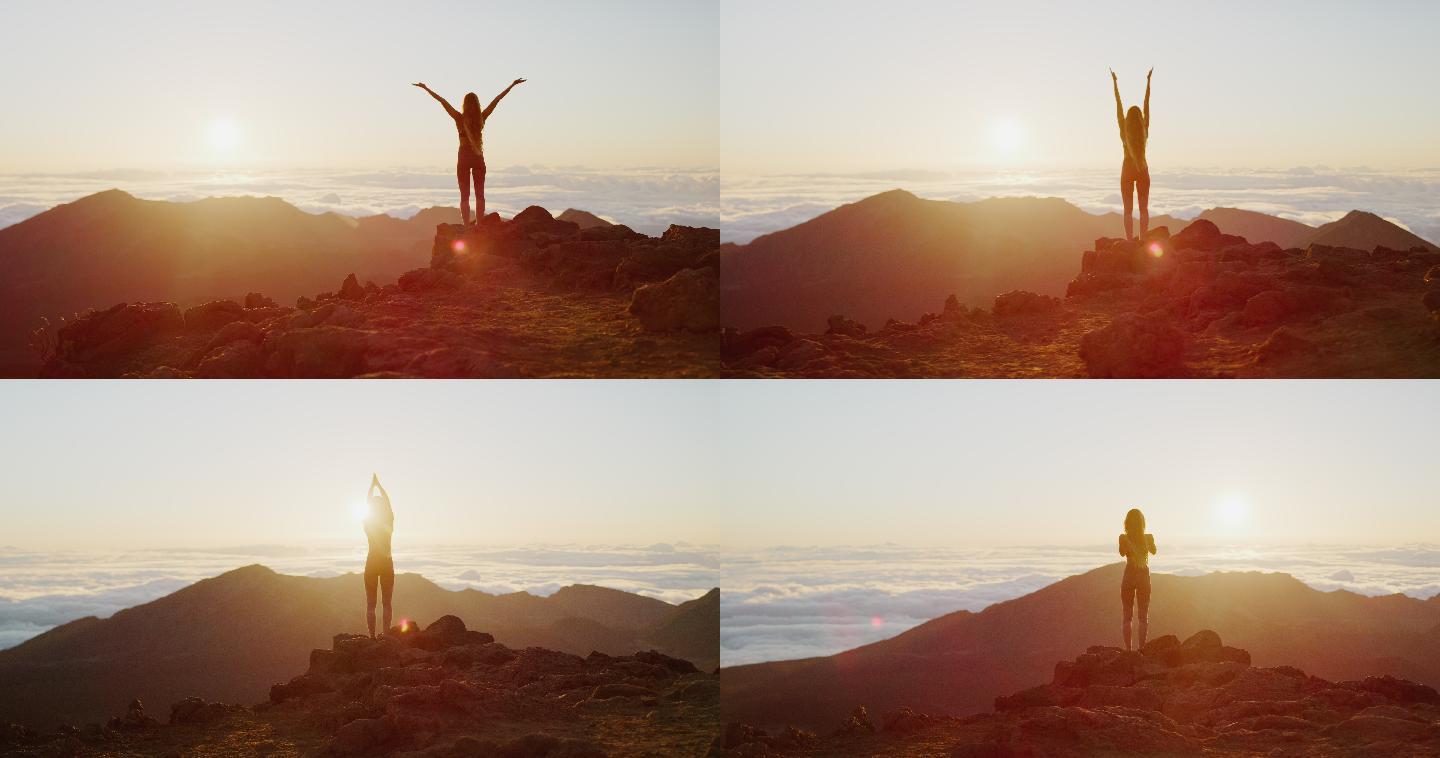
(96, 85)
(1058, 463)
(126, 465)
(849, 85)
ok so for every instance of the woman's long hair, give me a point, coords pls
(1135, 131)
(1135, 527)
(471, 121)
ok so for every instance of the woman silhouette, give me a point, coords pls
(379, 565)
(470, 162)
(1137, 547)
(1135, 172)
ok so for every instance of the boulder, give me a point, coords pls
(1134, 346)
(257, 300)
(350, 289)
(134, 719)
(858, 723)
(320, 352)
(241, 359)
(688, 300)
(121, 329)
(841, 325)
(194, 710)
(1020, 302)
(362, 737)
(213, 315)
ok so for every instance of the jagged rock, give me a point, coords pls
(1134, 346)
(428, 279)
(700, 237)
(133, 720)
(241, 359)
(688, 300)
(350, 289)
(362, 737)
(122, 328)
(858, 723)
(905, 721)
(1020, 302)
(257, 300)
(194, 710)
(321, 352)
(213, 315)
(838, 324)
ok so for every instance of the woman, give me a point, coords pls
(1135, 172)
(1137, 547)
(379, 565)
(470, 162)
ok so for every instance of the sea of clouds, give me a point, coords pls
(40, 590)
(796, 602)
(646, 199)
(755, 205)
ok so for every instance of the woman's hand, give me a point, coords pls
(1114, 78)
(517, 81)
(421, 85)
(1148, 73)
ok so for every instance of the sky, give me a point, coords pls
(166, 85)
(975, 463)
(142, 465)
(835, 86)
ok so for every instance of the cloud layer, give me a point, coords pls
(40, 590)
(788, 602)
(648, 199)
(755, 205)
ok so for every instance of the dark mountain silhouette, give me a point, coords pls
(1200, 303)
(958, 663)
(690, 631)
(232, 636)
(526, 297)
(440, 690)
(895, 255)
(111, 247)
(1170, 698)
(583, 219)
(1260, 227)
(1362, 230)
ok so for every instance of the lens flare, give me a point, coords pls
(1156, 250)
(876, 622)
(458, 246)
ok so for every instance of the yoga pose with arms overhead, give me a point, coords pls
(379, 565)
(1137, 547)
(1134, 172)
(470, 161)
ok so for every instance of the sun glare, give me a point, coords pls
(1006, 135)
(359, 510)
(1233, 511)
(224, 135)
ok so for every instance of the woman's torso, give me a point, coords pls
(1137, 556)
(478, 148)
(377, 534)
(1135, 162)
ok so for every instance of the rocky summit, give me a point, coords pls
(1170, 698)
(1199, 304)
(439, 691)
(532, 296)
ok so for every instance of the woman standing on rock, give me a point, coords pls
(379, 565)
(1134, 172)
(1136, 546)
(470, 162)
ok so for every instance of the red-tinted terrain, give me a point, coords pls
(532, 296)
(1200, 303)
(230, 637)
(958, 663)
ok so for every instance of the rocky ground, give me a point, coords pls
(1201, 304)
(528, 297)
(441, 692)
(1198, 697)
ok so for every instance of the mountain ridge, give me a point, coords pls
(228, 637)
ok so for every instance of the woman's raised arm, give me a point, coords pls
(1119, 107)
(491, 107)
(1147, 102)
(448, 108)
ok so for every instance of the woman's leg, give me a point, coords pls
(462, 172)
(479, 172)
(1127, 195)
(372, 578)
(1142, 599)
(1142, 186)
(387, 589)
(1127, 600)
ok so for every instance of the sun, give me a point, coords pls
(224, 135)
(360, 510)
(1007, 135)
(1233, 511)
